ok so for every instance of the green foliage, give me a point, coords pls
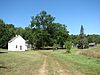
(47, 32)
(89, 39)
(82, 32)
(83, 43)
(40, 24)
(6, 33)
(82, 40)
(68, 45)
(42, 21)
(41, 32)
(93, 38)
(19, 31)
(55, 46)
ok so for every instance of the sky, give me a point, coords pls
(72, 13)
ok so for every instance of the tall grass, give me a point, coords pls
(91, 52)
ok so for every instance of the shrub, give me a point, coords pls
(83, 44)
(68, 45)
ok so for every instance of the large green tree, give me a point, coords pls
(82, 40)
(40, 24)
(93, 38)
(82, 32)
(6, 33)
(46, 32)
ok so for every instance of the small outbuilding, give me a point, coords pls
(17, 44)
(92, 44)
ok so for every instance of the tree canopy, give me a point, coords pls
(41, 32)
(44, 31)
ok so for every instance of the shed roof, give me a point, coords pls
(91, 43)
(14, 38)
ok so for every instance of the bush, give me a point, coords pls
(68, 45)
(55, 46)
(83, 44)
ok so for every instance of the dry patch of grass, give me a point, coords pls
(89, 53)
(43, 69)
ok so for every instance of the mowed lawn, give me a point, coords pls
(48, 62)
(20, 63)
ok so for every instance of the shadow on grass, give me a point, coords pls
(3, 52)
(46, 48)
(3, 67)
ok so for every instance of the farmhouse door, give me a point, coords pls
(20, 47)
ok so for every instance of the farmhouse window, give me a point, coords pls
(16, 46)
(20, 47)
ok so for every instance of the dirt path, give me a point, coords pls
(51, 66)
(61, 71)
(43, 70)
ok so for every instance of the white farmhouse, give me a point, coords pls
(17, 44)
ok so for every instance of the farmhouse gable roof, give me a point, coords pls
(14, 38)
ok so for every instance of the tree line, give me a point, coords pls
(83, 40)
(43, 32)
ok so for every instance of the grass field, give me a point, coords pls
(49, 63)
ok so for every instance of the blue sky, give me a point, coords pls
(72, 13)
